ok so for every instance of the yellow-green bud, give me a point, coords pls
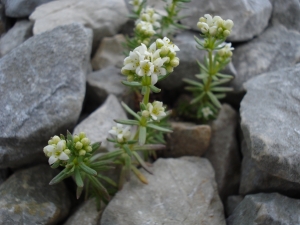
(130, 78)
(202, 19)
(82, 152)
(85, 141)
(164, 51)
(171, 55)
(88, 148)
(76, 138)
(159, 43)
(146, 42)
(67, 151)
(175, 62)
(228, 24)
(169, 69)
(145, 113)
(78, 145)
(226, 33)
(81, 135)
(55, 139)
(50, 142)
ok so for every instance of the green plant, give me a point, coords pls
(209, 90)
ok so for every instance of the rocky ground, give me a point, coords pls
(60, 69)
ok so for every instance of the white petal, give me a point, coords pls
(63, 156)
(129, 66)
(154, 117)
(52, 159)
(162, 71)
(154, 79)
(113, 132)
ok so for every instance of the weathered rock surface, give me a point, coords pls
(97, 125)
(21, 8)
(27, 198)
(3, 175)
(105, 17)
(276, 48)
(109, 53)
(255, 180)
(181, 191)
(2, 19)
(271, 122)
(86, 214)
(42, 86)
(107, 81)
(223, 152)
(262, 209)
(21, 31)
(187, 139)
(290, 20)
(250, 17)
(232, 202)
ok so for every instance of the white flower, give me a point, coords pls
(145, 28)
(226, 50)
(206, 112)
(146, 68)
(156, 110)
(149, 15)
(136, 4)
(56, 152)
(165, 42)
(121, 132)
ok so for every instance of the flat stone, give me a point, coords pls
(104, 17)
(42, 87)
(187, 139)
(271, 124)
(255, 180)
(21, 8)
(27, 198)
(262, 209)
(181, 191)
(109, 53)
(232, 202)
(250, 17)
(20, 32)
(86, 214)
(223, 152)
(290, 20)
(277, 48)
(97, 125)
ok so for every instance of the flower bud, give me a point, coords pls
(203, 27)
(85, 141)
(125, 72)
(228, 24)
(88, 148)
(164, 51)
(213, 30)
(130, 78)
(175, 62)
(159, 43)
(76, 138)
(169, 69)
(82, 152)
(55, 139)
(50, 142)
(202, 19)
(145, 113)
(78, 145)
(81, 135)
(67, 151)
(226, 33)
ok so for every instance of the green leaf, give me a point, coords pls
(141, 162)
(222, 81)
(193, 88)
(143, 106)
(197, 99)
(201, 76)
(131, 142)
(69, 136)
(78, 178)
(224, 75)
(79, 192)
(103, 168)
(132, 84)
(220, 96)
(139, 175)
(154, 89)
(127, 150)
(110, 155)
(102, 163)
(142, 135)
(127, 166)
(56, 164)
(192, 82)
(99, 187)
(130, 111)
(87, 169)
(111, 140)
(214, 100)
(155, 127)
(108, 180)
(96, 146)
(202, 66)
(149, 147)
(128, 122)
(59, 177)
(221, 89)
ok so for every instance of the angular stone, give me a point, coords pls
(271, 122)
(97, 125)
(255, 180)
(21, 8)
(105, 17)
(290, 20)
(20, 32)
(109, 53)
(188, 66)
(107, 81)
(223, 152)
(181, 191)
(232, 202)
(27, 198)
(262, 209)
(277, 48)
(187, 139)
(86, 214)
(42, 86)
(250, 17)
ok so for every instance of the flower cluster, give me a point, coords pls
(215, 27)
(136, 4)
(152, 62)
(150, 16)
(121, 132)
(56, 150)
(155, 110)
(82, 144)
(226, 51)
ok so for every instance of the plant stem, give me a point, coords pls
(146, 96)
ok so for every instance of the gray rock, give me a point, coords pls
(86, 214)
(187, 139)
(3, 175)
(181, 191)
(290, 20)
(277, 47)
(21, 8)
(97, 125)
(105, 17)
(108, 81)
(271, 122)
(27, 198)
(188, 67)
(42, 86)
(262, 209)
(255, 180)
(21, 31)
(250, 17)
(2, 19)
(232, 202)
(223, 152)
(109, 53)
